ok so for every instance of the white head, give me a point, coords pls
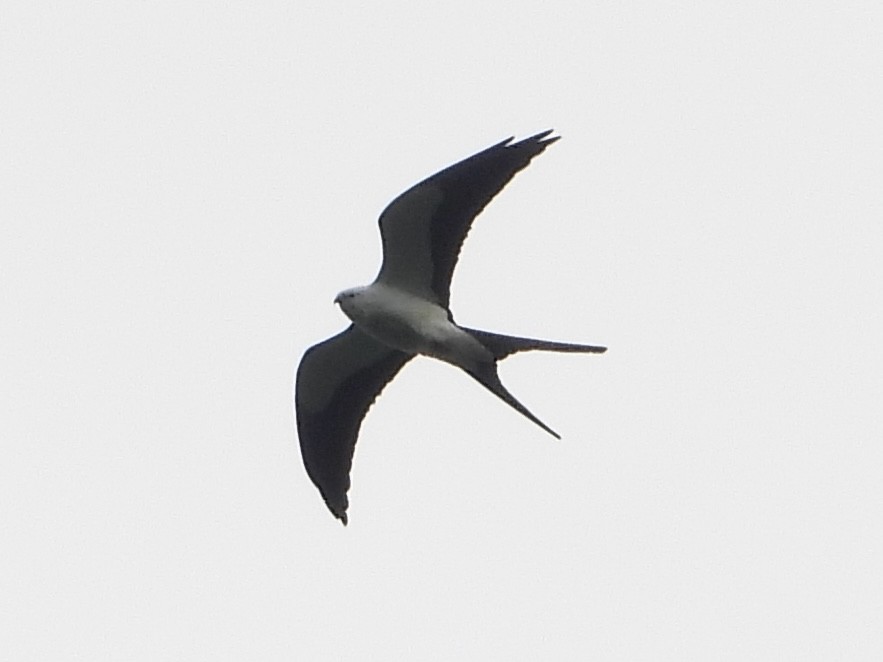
(347, 299)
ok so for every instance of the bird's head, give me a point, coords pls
(343, 297)
(348, 300)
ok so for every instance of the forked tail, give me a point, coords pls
(486, 375)
(502, 346)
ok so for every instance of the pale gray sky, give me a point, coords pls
(183, 190)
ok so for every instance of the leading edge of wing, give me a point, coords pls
(423, 229)
(337, 381)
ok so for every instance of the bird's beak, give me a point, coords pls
(337, 299)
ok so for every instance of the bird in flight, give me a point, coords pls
(405, 312)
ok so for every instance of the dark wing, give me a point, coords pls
(337, 380)
(424, 228)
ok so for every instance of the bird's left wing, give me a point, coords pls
(337, 381)
(424, 228)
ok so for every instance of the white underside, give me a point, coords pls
(411, 324)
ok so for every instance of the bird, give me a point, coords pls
(406, 312)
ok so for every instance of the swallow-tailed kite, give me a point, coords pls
(405, 312)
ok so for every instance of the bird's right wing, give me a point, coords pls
(337, 381)
(424, 228)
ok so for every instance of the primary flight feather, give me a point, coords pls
(405, 312)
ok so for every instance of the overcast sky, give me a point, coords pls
(184, 187)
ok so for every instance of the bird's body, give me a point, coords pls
(405, 312)
(411, 324)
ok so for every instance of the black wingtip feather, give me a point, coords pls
(542, 134)
(536, 139)
(337, 508)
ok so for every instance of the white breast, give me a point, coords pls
(412, 324)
